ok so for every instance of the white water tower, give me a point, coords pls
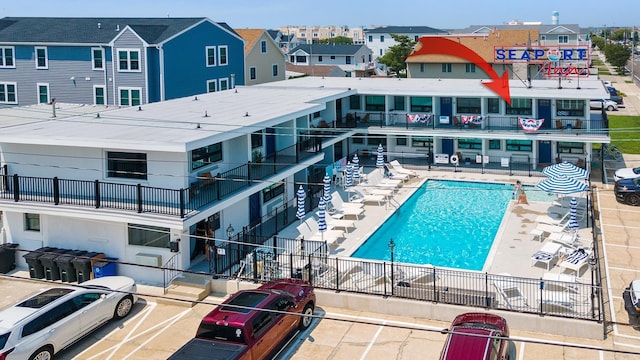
(555, 18)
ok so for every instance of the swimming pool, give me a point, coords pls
(445, 223)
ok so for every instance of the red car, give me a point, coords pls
(478, 336)
(252, 324)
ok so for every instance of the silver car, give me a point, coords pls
(53, 319)
(610, 105)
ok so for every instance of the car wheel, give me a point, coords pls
(633, 199)
(307, 317)
(123, 308)
(610, 108)
(44, 353)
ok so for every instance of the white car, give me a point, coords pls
(627, 173)
(40, 326)
(610, 105)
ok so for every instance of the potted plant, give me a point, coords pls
(256, 156)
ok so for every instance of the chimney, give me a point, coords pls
(118, 27)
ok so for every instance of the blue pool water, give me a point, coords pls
(445, 223)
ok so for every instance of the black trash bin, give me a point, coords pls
(84, 265)
(65, 265)
(7, 257)
(36, 269)
(48, 260)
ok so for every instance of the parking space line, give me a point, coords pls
(521, 352)
(126, 338)
(622, 269)
(178, 317)
(629, 337)
(606, 266)
(627, 345)
(384, 321)
(373, 341)
(624, 246)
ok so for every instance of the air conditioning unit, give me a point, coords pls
(149, 259)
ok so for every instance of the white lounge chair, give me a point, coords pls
(511, 293)
(376, 178)
(342, 224)
(546, 219)
(547, 255)
(373, 276)
(367, 198)
(337, 202)
(309, 230)
(371, 190)
(390, 174)
(547, 228)
(398, 168)
(576, 261)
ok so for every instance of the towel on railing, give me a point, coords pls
(467, 119)
(542, 256)
(577, 256)
(419, 118)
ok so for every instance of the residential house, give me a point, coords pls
(264, 60)
(313, 34)
(354, 60)
(115, 61)
(379, 39)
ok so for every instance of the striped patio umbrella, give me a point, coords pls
(561, 184)
(380, 157)
(567, 169)
(348, 181)
(356, 168)
(322, 221)
(327, 188)
(300, 212)
(573, 209)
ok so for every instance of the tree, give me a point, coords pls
(338, 40)
(617, 55)
(598, 41)
(396, 56)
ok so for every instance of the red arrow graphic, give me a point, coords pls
(444, 46)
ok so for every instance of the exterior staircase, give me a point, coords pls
(186, 290)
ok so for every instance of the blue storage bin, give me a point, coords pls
(105, 268)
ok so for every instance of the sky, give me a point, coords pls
(271, 14)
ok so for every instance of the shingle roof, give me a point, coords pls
(86, 30)
(250, 36)
(541, 28)
(327, 49)
(405, 30)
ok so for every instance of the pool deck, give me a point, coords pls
(513, 245)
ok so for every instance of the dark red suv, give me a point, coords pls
(477, 336)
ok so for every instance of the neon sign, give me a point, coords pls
(555, 61)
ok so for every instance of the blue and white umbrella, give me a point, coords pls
(301, 199)
(322, 221)
(348, 181)
(567, 169)
(573, 209)
(562, 184)
(380, 157)
(356, 168)
(327, 188)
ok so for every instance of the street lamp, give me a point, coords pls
(230, 231)
(392, 247)
(593, 263)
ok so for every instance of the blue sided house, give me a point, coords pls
(115, 61)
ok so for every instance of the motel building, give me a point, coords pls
(135, 182)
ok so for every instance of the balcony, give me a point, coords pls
(146, 199)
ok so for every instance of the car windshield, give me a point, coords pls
(636, 170)
(44, 298)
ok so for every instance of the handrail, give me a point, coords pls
(170, 271)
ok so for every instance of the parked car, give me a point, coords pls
(612, 91)
(626, 173)
(628, 191)
(53, 319)
(634, 294)
(252, 324)
(617, 99)
(480, 336)
(603, 103)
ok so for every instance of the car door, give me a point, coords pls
(92, 310)
(58, 326)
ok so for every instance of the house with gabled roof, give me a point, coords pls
(115, 61)
(354, 60)
(379, 39)
(264, 60)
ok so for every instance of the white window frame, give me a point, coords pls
(3, 57)
(563, 39)
(226, 50)
(215, 56)
(129, 51)
(254, 75)
(104, 94)
(129, 89)
(263, 46)
(38, 93)
(93, 58)
(221, 81)
(215, 84)
(15, 87)
(276, 68)
(46, 57)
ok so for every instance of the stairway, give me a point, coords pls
(186, 290)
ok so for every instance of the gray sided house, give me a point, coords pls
(354, 60)
(379, 39)
(115, 61)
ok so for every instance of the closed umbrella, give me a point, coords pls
(380, 157)
(322, 221)
(348, 181)
(356, 169)
(301, 200)
(562, 184)
(567, 169)
(327, 188)
(573, 209)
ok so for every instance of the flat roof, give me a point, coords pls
(188, 123)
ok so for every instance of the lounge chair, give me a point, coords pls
(337, 205)
(398, 168)
(309, 230)
(560, 282)
(342, 224)
(570, 240)
(372, 277)
(373, 190)
(344, 212)
(552, 228)
(333, 279)
(546, 219)
(510, 292)
(547, 254)
(359, 196)
(394, 175)
(575, 261)
(376, 178)
(416, 277)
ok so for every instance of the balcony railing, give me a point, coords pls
(147, 199)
